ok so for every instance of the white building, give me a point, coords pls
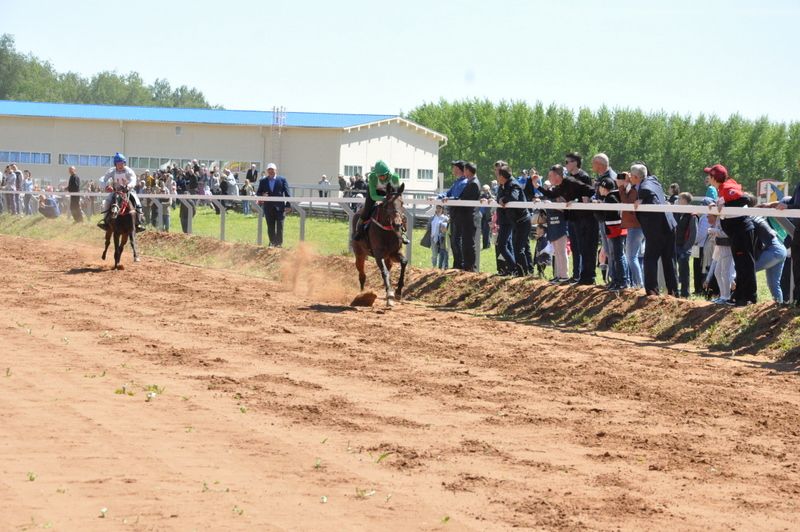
(46, 138)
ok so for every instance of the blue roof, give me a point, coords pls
(180, 115)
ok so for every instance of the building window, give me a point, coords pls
(350, 170)
(425, 174)
(404, 173)
(24, 157)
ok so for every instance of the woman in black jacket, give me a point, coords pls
(514, 222)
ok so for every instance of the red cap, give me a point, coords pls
(717, 171)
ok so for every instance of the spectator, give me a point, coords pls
(324, 184)
(48, 205)
(454, 192)
(584, 230)
(10, 184)
(740, 231)
(247, 190)
(658, 229)
(702, 251)
(557, 236)
(439, 225)
(27, 187)
(359, 185)
(343, 185)
(515, 223)
(74, 185)
(793, 202)
(602, 167)
(711, 190)
(486, 216)
(772, 255)
(674, 192)
(615, 234)
(252, 174)
(493, 187)
(275, 212)
(635, 237)
(544, 251)
(685, 237)
(721, 268)
(469, 221)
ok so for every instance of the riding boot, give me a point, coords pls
(103, 223)
(139, 220)
(361, 231)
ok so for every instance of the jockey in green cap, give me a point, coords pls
(377, 180)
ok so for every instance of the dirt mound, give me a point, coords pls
(764, 328)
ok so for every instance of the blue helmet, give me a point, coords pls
(119, 158)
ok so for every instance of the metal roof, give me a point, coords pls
(180, 115)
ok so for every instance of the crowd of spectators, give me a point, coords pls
(711, 256)
(682, 254)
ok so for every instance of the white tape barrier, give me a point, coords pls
(628, 207)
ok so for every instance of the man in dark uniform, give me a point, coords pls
(74, 185)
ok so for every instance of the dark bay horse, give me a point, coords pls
(120, 224)
(384, 242)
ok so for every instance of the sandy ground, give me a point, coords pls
(281, 412)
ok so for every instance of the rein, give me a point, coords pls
(374, 220)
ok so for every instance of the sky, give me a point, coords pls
(359, 56)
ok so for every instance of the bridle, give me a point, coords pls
(383, 208)
(119, 205)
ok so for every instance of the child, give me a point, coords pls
(607, 189)
(544, 251)
(721, 263)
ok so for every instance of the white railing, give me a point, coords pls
(417, 207)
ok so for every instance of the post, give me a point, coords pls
(189, 214)
(346, 208)
(260, 225)
(411, 219)
(302, 212)
(222, 212)
(160, 209)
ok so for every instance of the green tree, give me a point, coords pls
(25, 77)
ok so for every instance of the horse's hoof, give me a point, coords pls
(136, 259)
(390, 302)
(119, 267)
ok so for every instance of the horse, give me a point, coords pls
(384, 241)
(121, 225)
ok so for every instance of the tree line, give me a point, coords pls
(675, 147)
(24, 77)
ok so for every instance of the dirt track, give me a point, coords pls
(413, 418)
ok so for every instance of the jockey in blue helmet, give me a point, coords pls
(121, 177)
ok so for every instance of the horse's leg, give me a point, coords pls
(386, 279)
(122, 241)
(132, 239)
(108, 241)
(117, 250)
(400, 257)
(360, 262)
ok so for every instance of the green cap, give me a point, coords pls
(381, 168)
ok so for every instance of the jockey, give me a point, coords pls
(121, 177)
(380, 176)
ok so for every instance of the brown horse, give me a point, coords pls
(384, 242)
(120, 224)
